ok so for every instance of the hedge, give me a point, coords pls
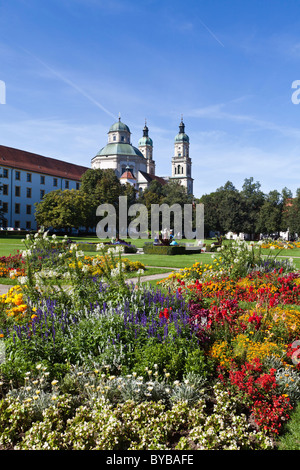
(163, 250)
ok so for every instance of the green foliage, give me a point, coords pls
(63, 209)
(176, 357)
(290, 440)
(163, 250)
(99, 424)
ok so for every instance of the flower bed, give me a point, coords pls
(209, 361)
(11, 266)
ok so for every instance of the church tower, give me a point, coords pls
(146, 147)
(181, 162)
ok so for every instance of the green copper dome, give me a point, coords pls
(119, 126)
(182, 137)
(119, 149)
(145, 141)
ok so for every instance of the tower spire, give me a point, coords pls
(145, 130)
(181, 126)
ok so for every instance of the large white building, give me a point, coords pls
(26, 178)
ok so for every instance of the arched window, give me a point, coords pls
(178, 169)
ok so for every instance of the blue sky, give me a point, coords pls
(70, 67)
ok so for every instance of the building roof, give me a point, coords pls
(127, 175)
(146, 141)
(119, 126)
(182, 137)
(120, 149)
(22, 160)
(150, 178)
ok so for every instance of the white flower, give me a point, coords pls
(99, 246)
(22, 279)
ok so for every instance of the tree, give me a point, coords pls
(231, 209)
(253, 199)
(63, 210)
(211, 212)
(292, 215)
(270, 214)
(101, 187)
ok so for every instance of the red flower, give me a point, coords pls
(165, 313)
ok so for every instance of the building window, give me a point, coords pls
(28, 177)
(17, 191)
(66, 184)
(28, 192)
(28, 209)
(122, 138)
(18, 175)
(114, 137)
(5, 173)
(54, 181)
(17, 208)
(42, 179)
(5, 207)
(5, 189)
(17, 224)
(28, 224)
(42, 193)
(77, 186)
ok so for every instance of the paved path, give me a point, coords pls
(4, 288)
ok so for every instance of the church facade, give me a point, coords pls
(135, 165)
(25, 177)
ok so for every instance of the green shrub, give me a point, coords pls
(176, 357)
(163, 250)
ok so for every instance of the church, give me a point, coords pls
(135, 165)
(26, 177)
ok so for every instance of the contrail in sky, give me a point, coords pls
(72, 85)
(211, 33)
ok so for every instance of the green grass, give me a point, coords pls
(291, 438)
